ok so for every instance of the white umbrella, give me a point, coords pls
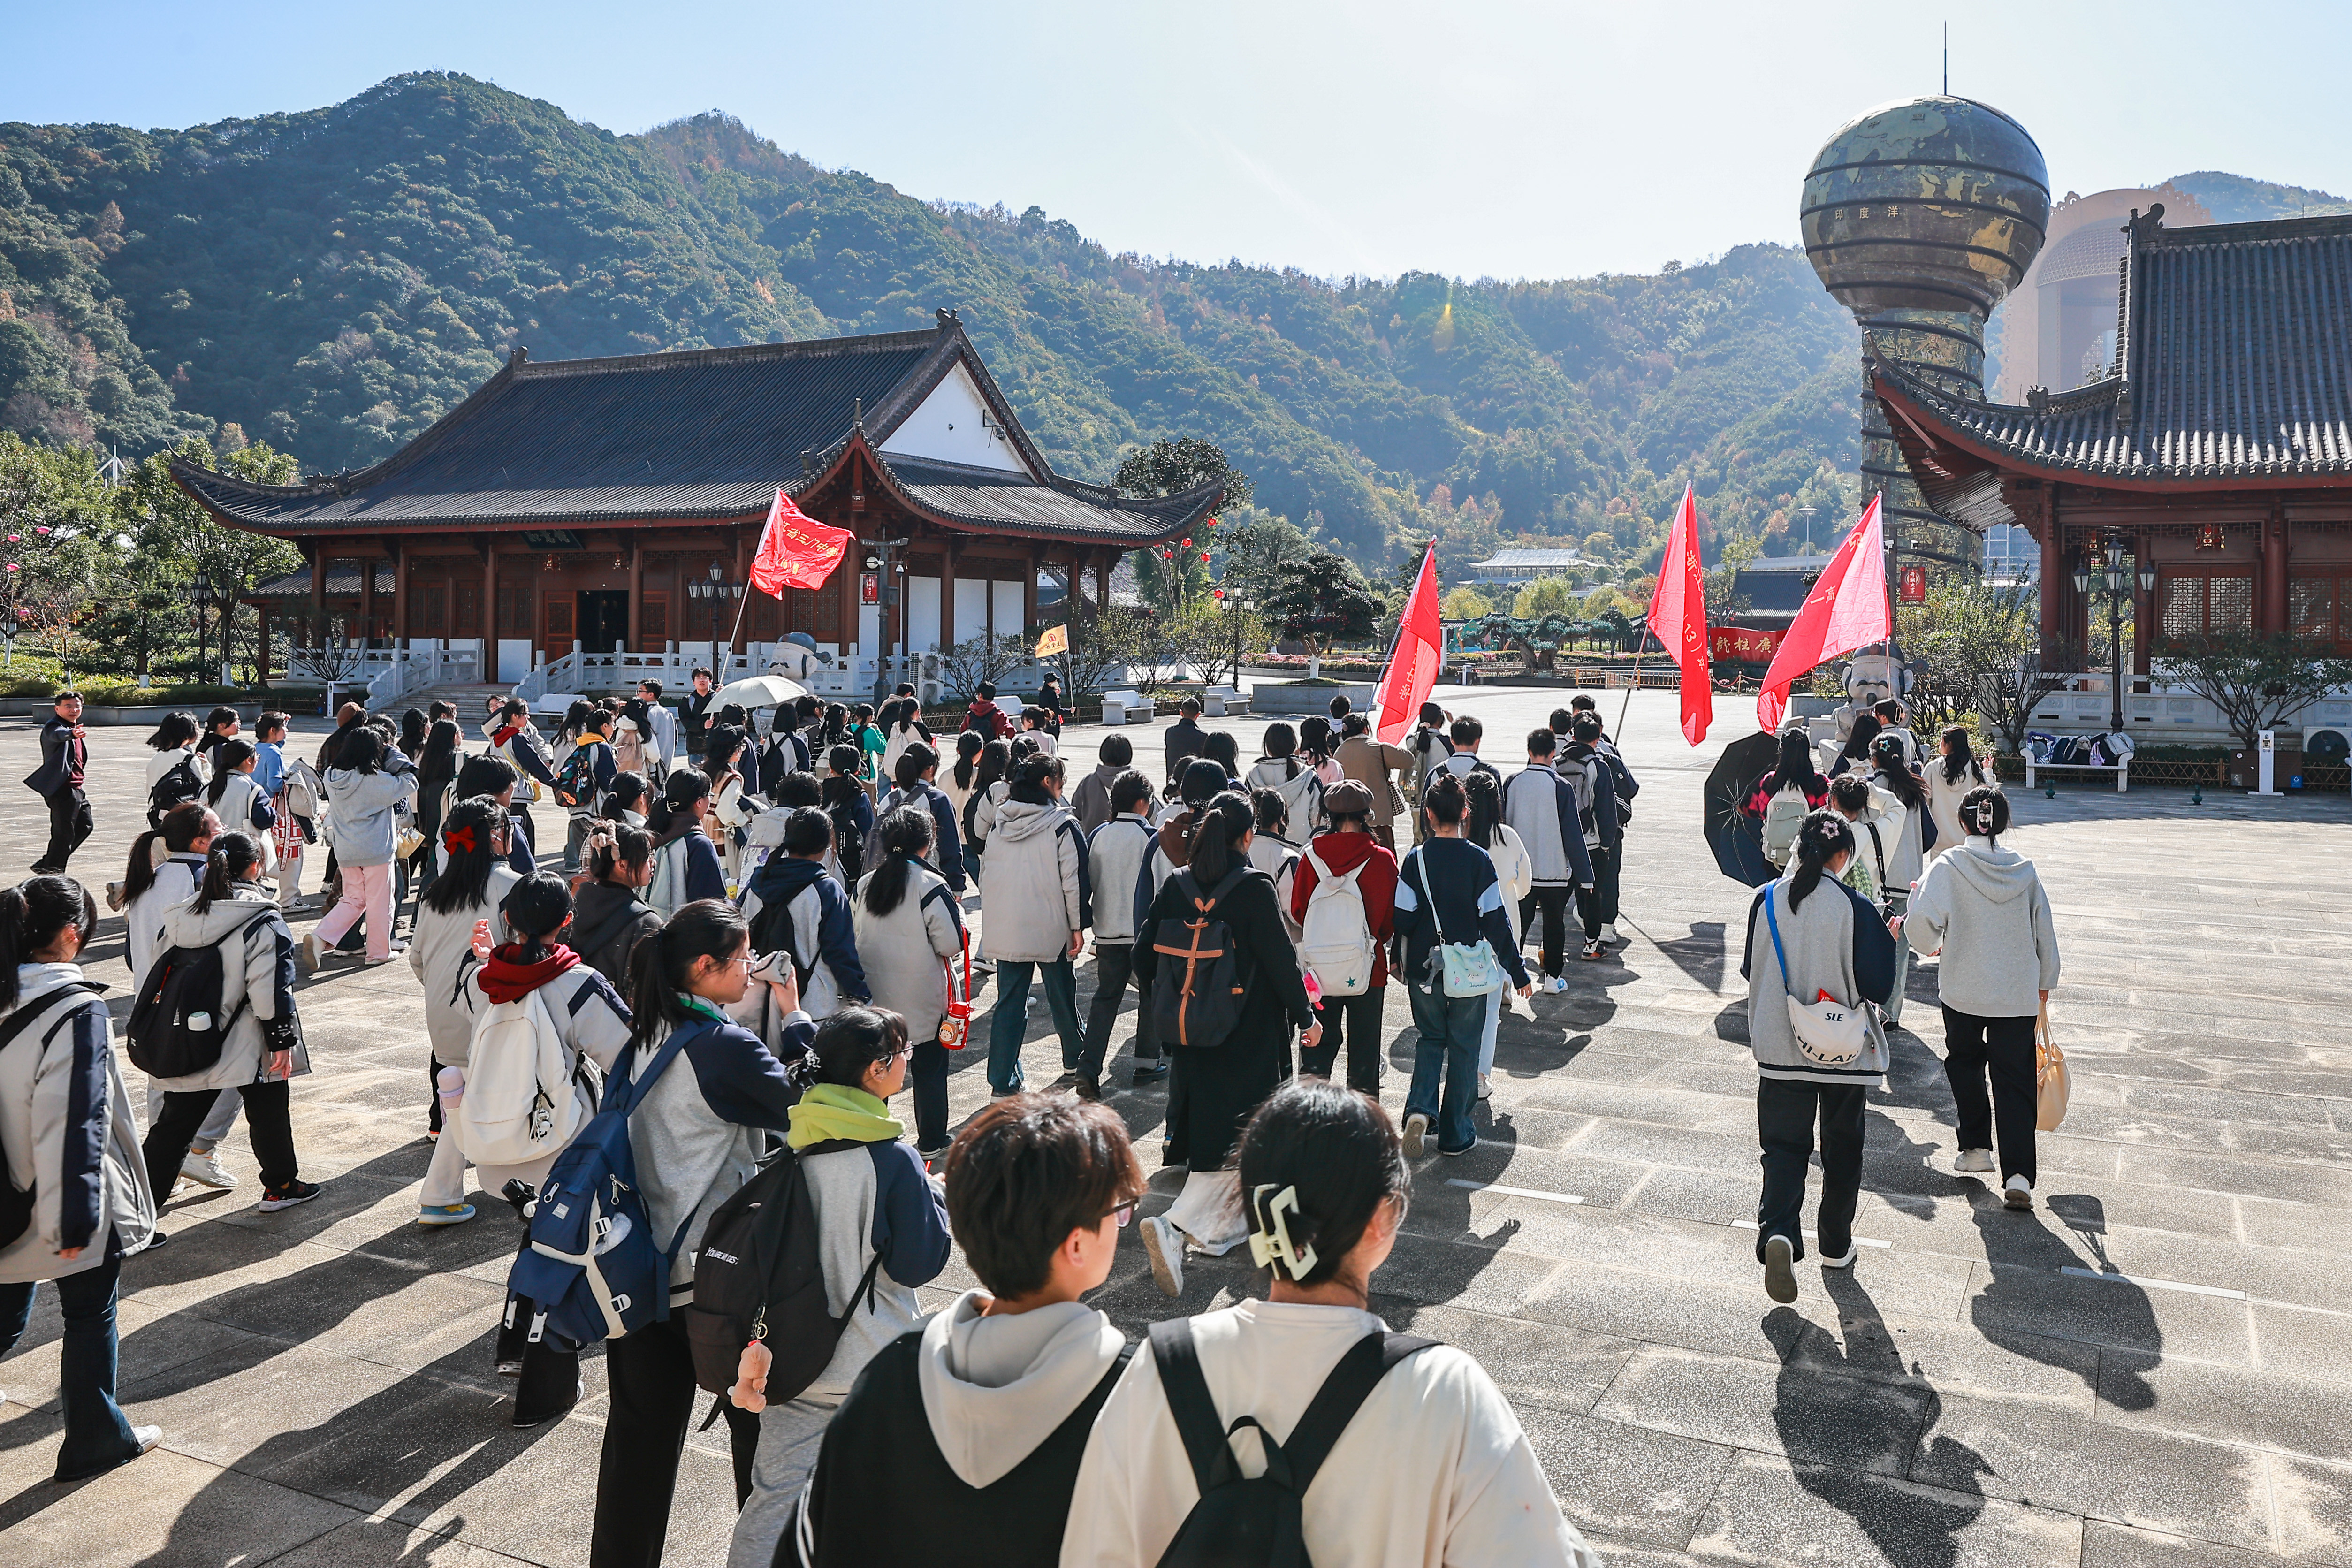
(758, 691)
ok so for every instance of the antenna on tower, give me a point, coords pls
(1948, 60)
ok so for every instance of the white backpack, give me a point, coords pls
(520, 1103)
(1783, 814)
(304, 794)
(1335, 939)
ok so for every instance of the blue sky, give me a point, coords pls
(1503, 139)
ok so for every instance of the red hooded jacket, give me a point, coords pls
(1342, 851)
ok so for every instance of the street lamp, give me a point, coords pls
(2108, 567)
(1807, 513)
(720, 593)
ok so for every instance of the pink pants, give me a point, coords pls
(367, 890)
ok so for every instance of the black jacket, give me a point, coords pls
(606, 923)
(1184, 739)
(61, 754)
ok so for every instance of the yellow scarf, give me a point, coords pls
(836, 1110)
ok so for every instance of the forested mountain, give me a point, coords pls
(335, 279)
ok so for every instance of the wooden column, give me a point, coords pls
(1103, 564)
(318, 548)
(402, 574)
(2055, 584)
(261, 643)
(367, 590)
(636, 595)
(489, 671)
(2271, 596)
(1032, 562)
(946, 591)
(2143, 606)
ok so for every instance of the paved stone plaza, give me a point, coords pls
(2154, 1367)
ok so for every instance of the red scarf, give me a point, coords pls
(501, 737)
(505, 978)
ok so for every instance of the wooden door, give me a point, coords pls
(557, 625)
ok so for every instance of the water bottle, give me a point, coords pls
(453, 1091)
(200, 1023)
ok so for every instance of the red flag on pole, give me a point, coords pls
(795, 550)
(1413, 662)
(1678, 619)
(1846, 610)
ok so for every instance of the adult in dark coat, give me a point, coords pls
(65, 754)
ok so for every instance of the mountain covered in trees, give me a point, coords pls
(334, 281)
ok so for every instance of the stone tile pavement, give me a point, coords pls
(2154, 1367)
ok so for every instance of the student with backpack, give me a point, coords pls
(1225, 985)
(795, 909)
(1467, 732)
(1985, 910)
(366, 804)
(1457, 949)
(297, 797)
(237, 798)
(700, 1096)
(1514, 870)
(1090, 796)
(1541, 806)
(176, 772)
(881, 1231)
(852, 813)
(1816, 953)
(1035, 917)
(1343, 898)
(984, 717)
(516, 740)
(1908, 830)
(982, 794)
(917, 782)
(581, 778)
(1280, 770)
(1119, 863)
(685, 862)
(228, 952)
(537, 1014)
(910, 936)
(1783, 798)
(67, 1123)
(494, 779)
(1588, 774)
(475, 881)
(165, 869)
(1272, 852)
(972, 1427)
(1411, 1459)
(1429, 745)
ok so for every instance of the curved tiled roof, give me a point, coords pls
(2236, 365)
(701, 435)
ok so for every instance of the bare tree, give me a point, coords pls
(975, 660)
(2257, 681)
(334, 657)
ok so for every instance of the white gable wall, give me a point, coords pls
(954, 426)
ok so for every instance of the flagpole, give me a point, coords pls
(1626, 706)
(742, 603)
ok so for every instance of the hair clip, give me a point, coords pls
(459, 840)
(1266, 1249)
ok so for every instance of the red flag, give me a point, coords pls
(1678, 619)
(1846, 610)
(1413, 662)
(795, 550)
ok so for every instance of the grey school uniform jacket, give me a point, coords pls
(256, 986)
(68, 1130)
(1834, 941)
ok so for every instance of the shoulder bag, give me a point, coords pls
(1828, 1032)
(1460, 968)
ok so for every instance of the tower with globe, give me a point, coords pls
(1919, 217)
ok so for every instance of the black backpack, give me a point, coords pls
(772, 932)
(1196, 996)
(176, 1026)
(16, 1204)
(759, 1276)
(178, 785)
(1241, 1522)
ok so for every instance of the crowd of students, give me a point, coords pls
(788, 914)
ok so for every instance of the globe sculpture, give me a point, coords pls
(1919, 217)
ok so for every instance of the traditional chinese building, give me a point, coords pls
(2218, 448)
(580, 502)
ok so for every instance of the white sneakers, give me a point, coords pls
(1845, 1262)
(1164, 1245)
(1416, 1134)
(1977, 1160)
(1485, 1086)
(2018, 1193)
(309, 953)
(204, 1170)
(1609, 932)
(1553, 984)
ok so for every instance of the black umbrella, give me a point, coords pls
(1737, 838)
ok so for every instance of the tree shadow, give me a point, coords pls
(1701, 954)
(2026, 1293)
(1843, 1406)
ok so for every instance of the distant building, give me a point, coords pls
(1771, 589)
(2057, 328)
(1527, 565)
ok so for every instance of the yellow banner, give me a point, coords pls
(1057, 640)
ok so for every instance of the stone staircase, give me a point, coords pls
(467, 697)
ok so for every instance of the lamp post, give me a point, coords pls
(2106, 567)
(882, 559)
(720, 593)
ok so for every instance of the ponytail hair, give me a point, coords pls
(686, 786)
(1820, 837)
(1216, 828)
(905, 837)
(232, 854)
(1317, 1163)
(662, 960)
(1886, 752)
(227, 757)
(1984, 813)
(612, 844)
(1486, 803)
(628, 794)
(535, 909)
(32, 914)
(848, 1043)
(1267, 808)
(178, 832)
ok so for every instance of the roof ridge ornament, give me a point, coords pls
(2144, 229)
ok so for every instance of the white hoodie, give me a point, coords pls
(1985, 910)
(994, 1388)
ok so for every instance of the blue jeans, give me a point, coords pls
(1450, 1028)
(1011, 1019)
(98, 1438)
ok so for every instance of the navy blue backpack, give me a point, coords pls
(593, 1266)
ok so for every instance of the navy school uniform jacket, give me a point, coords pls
(1447, 891)
(948, 850)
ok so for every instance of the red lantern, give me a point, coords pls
(1213, 522)
(1205, 558)
(1188, 544)
(1221, 593)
